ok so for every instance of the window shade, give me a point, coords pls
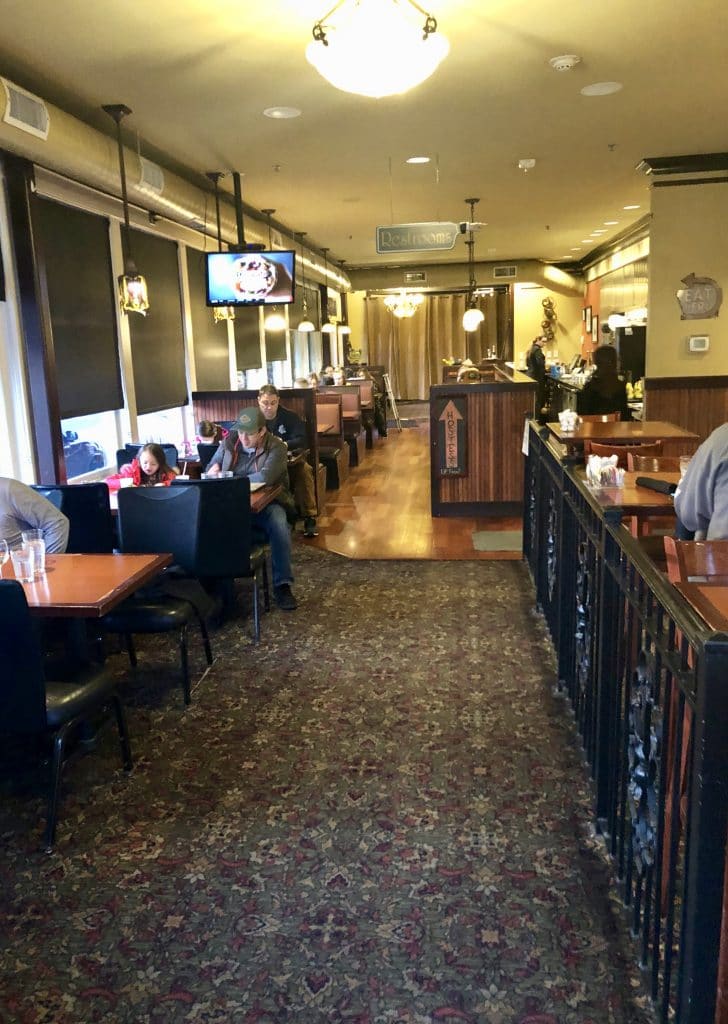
(247, 338)
(74, 248)
(275, 341)
(210, 339)
(157, 341)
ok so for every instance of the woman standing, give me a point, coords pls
(605, 392)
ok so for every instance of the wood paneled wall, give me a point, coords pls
(699, 404)
(495, 419)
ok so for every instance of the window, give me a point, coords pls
(90, 444)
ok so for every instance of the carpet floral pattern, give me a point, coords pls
(376, 816)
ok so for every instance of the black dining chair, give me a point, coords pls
(205, 453)
(33, 706)
(227, 551)
(153, 520)
(86, 506)
(131, 449)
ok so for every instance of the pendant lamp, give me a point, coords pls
(133, 296)
(306, 325)
(219, 313)
(328, 327)
(376, 48)
(473, 316)
(274, 321)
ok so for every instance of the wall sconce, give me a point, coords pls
(133, 296)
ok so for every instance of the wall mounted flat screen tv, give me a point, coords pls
(250, 278)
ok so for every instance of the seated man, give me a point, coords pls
(250, 450)
(701, 499)
(290, 428)
(22, 508)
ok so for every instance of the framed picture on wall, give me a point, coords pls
(587, 319)
(595, 329)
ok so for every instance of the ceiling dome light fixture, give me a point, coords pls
(473, 316)
(133, 296)
(404, 304)
(376, 47)
(306, 325)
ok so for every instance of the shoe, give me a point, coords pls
(309, 527)
(284, 597)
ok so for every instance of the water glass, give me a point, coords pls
(23, 564)
(34, 541)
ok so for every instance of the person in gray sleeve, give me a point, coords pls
(251, 450)
(701, 500)
(22, 508)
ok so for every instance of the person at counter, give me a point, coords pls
(701, 499)
(605, 391)
(251, 450)
(536, 368)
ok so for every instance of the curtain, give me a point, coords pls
(413, 349)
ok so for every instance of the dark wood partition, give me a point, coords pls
(699, 404)
(225, 405)
(489, 478)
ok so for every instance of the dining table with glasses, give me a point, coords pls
(631, 499)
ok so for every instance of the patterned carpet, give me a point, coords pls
(377, 816)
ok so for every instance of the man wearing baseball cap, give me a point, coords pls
(251, 450)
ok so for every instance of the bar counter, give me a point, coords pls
(476, 432)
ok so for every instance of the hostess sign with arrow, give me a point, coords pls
(451, 436)
(417, 237)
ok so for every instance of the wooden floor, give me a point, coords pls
(383, 509)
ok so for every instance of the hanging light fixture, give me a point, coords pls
(219, 313)
(376, 47)
(274, 321)
(329, 327)
(473, 316)
(133, 296)
(305, 325)
(405, 304)
(344, 327)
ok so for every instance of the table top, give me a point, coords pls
(623, 433)
(709, 601)
(89, 586)
(259, 499)
(634, 500)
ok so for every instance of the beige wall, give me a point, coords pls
(687, 235)
(527, 317)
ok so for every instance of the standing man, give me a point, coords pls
(290, 428)
(22, 508)
(251, 450)
(536, 368)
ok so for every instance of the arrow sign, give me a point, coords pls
(451, 435)
(417, 237)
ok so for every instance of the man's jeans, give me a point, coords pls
(272, 524)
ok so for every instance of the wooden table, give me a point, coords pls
(644, 432)
(632, 500)
(89, 586)
(709, 601)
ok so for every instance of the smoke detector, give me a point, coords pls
(526, 164)
(565, 62)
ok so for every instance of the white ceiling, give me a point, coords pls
(198, 76)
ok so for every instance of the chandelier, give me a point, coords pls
(404, 304)
(376, 47)
(473, 316)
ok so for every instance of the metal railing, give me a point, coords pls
(647, 682)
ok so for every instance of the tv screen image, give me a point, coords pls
(250, 278)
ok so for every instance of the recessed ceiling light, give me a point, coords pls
(576, 248)
(282, 113)
(586, 241)
(600, 231)
(611, 223)
(633, 207)
(601, 88)
(417, 160)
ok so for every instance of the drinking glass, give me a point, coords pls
(23, 564)
(4, 555)
(34, 541)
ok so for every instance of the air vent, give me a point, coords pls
(505, 271)
(25, 111)
(415, 277)
(152, 177)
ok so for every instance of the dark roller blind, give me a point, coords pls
(247, 338)
(209, 339)
(74, 246)
(157, 341)
(275, 341)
